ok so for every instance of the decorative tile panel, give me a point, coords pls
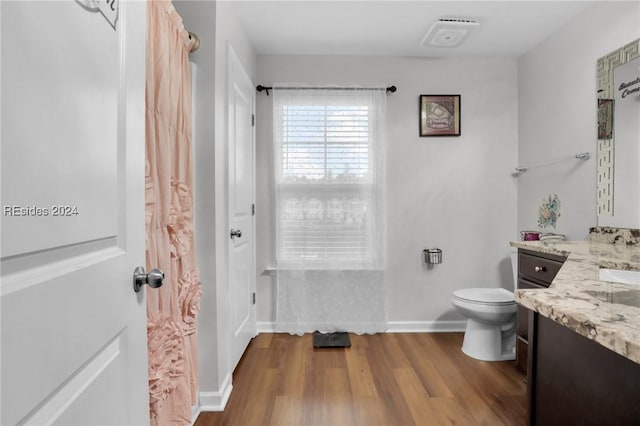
(605, 177)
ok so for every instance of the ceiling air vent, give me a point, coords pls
(448, 32)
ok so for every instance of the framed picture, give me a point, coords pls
(439, 115)
(605, 118)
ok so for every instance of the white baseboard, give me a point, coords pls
(266, 327)
(195, 412)
(395, 326)
(216, 401)
(426, 326)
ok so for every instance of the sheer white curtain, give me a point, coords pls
(329, 163)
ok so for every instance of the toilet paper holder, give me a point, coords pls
(432, 256)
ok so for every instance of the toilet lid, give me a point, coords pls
(495, 296)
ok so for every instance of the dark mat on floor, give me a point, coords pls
(339, 339)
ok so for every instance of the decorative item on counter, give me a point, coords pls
(550, 236)
(529, 235)
(549, 211)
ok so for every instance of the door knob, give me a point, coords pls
(235, 233)
(155, 278)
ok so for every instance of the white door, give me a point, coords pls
(73, 330)
(242, 277)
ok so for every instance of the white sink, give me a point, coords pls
(619, 276)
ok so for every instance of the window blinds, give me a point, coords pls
(327, 143)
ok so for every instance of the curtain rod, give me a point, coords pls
(260, 88)
(196, 42)
(521, 170)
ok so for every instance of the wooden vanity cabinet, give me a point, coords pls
(535, 270)
(573, 380)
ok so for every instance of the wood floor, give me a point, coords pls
(384, 379)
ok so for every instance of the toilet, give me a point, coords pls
(490, 334)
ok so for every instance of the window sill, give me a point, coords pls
(273, 271)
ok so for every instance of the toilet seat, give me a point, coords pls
(485, 296)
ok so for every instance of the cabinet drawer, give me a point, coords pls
(524, 283)
(537, 268)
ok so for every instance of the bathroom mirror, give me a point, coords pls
(618, 184)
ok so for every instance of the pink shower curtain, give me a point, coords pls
(172, 308)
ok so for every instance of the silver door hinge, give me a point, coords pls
(253, 298)
(253, 120)
(253, 209)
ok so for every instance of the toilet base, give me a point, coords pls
(489, 342)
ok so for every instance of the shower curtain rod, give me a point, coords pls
(260, 88)
(196, 42)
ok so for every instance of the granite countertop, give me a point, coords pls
(605, 312)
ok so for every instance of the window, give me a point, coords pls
(325, 143)
(327, 169)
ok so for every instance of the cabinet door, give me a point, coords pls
(576, 381)
(523, 313)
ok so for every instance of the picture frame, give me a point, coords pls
(605, 119)
(439, 115)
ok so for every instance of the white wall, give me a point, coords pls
(557, 113)
(218, 28)
(455, 193)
